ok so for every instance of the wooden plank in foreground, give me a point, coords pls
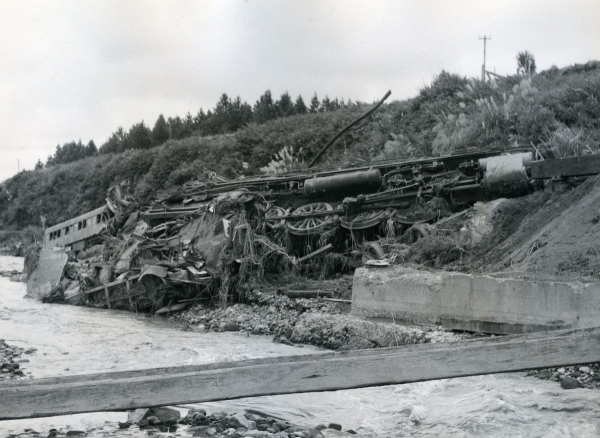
(572, 166)
(320, 372)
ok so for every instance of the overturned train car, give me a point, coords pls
(212, 238)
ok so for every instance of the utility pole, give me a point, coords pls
(485, 38)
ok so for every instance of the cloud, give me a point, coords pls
(74, 70)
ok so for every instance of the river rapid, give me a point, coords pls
(77, 340)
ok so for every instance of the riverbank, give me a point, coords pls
(309, 322)
(586, 376)
(196, 422)
(12, 361)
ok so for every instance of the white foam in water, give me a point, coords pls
(100, 340)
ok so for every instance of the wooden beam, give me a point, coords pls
(323, 250)
(127, 285)
(107, 296)
(119, 391)
(109, 285)
(563, 167)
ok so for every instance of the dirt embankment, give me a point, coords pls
(553, 235)
(542, 235)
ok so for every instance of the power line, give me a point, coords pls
(485, 38)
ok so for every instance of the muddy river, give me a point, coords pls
(76, 340)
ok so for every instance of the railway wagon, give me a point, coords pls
(75, 232)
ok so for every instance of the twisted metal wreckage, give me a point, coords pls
(211, 240)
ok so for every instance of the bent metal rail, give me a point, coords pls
(126, 390)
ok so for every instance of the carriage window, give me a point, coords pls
(98, 217)
(84, 224)
(58, 233)
(79, 225)
(66, 231)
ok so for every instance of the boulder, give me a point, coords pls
(135, 416)
(569, 383)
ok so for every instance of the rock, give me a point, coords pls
(585, 370)
(569, 383)
(257, 433)
(575, 374)
(544, 374)
(232, 327)
(164, 415)
(124, 425)
(152, 419)
(135, 416)
(335, 426)
(242, 421)
(75, 432)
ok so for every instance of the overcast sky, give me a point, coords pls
(73, 70)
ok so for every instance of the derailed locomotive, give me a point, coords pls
(211, 238)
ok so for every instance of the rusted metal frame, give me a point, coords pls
(355, 122)
(322, 250)
(109, 285)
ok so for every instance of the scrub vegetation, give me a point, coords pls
(557, 111)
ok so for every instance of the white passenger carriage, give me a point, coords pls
(75, 232)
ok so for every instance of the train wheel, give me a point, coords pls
(363, 220)
(272, 217)
(310, 225)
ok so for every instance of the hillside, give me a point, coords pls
(558, 111)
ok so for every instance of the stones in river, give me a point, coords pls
(545, 374)
(569, 383)
(231, 327)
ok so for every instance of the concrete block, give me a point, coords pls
(474, 302)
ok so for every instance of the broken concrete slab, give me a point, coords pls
(474, 302)
(47, 273)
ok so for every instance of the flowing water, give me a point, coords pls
(77, 340)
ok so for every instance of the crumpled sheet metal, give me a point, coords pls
(154, 270)
(47, 274)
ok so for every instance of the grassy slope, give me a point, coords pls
(556, 110)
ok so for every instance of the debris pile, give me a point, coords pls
(206, 241)
(211, 242)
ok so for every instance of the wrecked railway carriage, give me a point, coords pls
(212, 240)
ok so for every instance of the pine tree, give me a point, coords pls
(139, 137)
(264, 108)
(115, 143)
(325, 104)
(160, 132)
(300, 106)
(285, 106)
(315, 104)
(91, 149)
